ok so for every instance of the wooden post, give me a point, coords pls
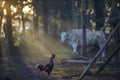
(113, 54)
(98, 53)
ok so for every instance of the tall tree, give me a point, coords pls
(36, 25)
(41, 9)
(1, 16)
(22, 14)
(83, 28)
(115, 13)
(8, 26)
(74, 16)
(45, 15)
(99, 7)
(38, 9)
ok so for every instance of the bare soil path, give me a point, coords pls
(21, 66)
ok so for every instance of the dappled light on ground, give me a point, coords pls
(43, 45)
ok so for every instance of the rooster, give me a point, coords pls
(48, 67)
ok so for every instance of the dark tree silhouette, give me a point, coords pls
(8, 30)
(45, 15)
(41, 8)
(99, 7)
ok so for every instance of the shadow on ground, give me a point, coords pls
(13, 67)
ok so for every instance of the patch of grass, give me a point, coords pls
(69, 69)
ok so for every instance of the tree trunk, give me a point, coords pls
(1, 16)
(99, 13)
(86, 15)
(84, 29)
(22, 14)
(75, 24)
(45, 16)
(8, 26)
(36, 25)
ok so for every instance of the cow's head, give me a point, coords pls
(64, 36)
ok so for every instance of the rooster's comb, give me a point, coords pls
(53, 55)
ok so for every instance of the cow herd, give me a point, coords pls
(74, 38)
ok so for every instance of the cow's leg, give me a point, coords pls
(74, 46)
(103, 52)
(81, 51)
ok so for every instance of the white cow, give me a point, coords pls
(74, 38)
(96, 37)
